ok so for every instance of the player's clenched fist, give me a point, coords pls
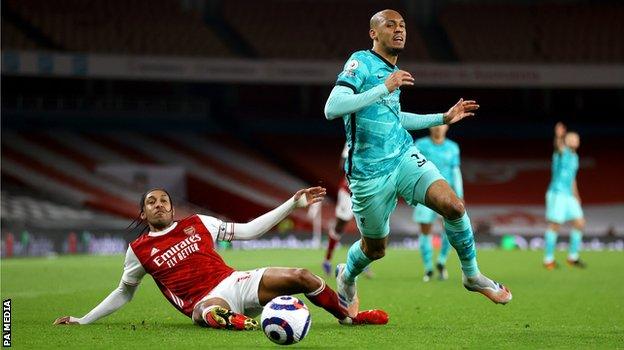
(398, 79)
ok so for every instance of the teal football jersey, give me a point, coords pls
(445, 155)
(564, 167)
(375, 136)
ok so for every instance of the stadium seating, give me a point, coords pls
(35, 211)
(548, 32)
(13, 37)
(224, 177)
(311, 29)
(145, 27)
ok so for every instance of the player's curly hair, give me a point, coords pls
(139, 223)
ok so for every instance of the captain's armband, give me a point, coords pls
(226, 232)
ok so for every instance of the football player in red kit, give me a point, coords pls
(181, 257)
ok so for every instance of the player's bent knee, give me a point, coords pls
(304, 278)
(375, 254)
(454, 209)
(553, 226)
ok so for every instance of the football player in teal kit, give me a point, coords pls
(383, 163)
(563, 203)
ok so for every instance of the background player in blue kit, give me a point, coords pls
(444, 153)
(383, 163)
(563, 202)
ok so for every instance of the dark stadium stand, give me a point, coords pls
(142, 27)
(312, 29)
(235, 182)
(13, 37)
(550, 32)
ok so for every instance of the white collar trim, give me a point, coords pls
(163, 232)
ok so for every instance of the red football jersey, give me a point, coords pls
(183, 261)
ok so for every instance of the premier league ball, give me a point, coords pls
(285, 320)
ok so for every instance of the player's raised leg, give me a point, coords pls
(440, 197)
(281, 281)
(374, 200)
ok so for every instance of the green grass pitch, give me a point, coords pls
(565, 308)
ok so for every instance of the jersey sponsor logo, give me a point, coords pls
(189, 230)
(178, 251)
(154, 251)
(392, 100)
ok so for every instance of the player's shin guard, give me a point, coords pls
(444, 249)
(576, 239)
(459, 233)
(357, 261)
(327, 298)
(550, 242)
(426, 251)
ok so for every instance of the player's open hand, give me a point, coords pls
(460, 110)
(398, 79)
(309, 196)
(66, 320)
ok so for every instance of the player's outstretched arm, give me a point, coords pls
(343, 100)
(113, 302)
(413, 121)
(264, 223)
(460, 110)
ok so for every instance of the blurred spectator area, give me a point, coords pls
(223, 177)
(142, 27)
(13, 37)
(313, 29)
(522, 32)
(544, 32)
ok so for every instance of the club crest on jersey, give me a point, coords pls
(189, 230)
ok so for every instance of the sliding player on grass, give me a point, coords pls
(181, 257)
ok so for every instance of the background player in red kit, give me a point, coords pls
(181, 257)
